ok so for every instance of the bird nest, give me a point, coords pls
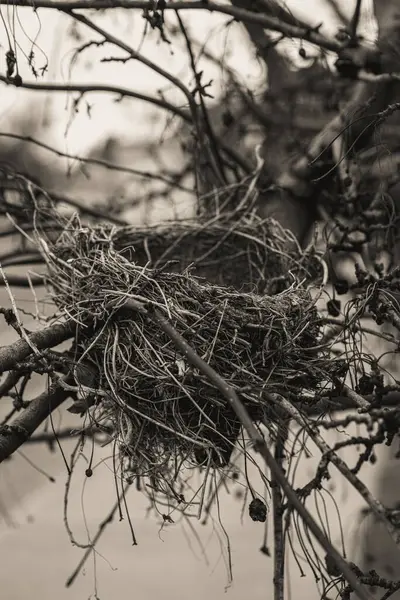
(164, 411)
(247, 253)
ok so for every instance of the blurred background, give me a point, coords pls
(176, 559)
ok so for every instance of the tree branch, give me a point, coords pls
(260, 446)
(277, 504)
(97, 87)
(376, 507)
(22, 281)
(290, 202)
(46, 338)
(83, 89)
(355, 19)
(98, 162)
(240, 14)
(15, 435)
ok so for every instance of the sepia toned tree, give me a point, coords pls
(242, 334)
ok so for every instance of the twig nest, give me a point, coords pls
(163, 410)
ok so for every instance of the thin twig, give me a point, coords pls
(85, 88)
(94, 161)
(108, 519)
(376, 507)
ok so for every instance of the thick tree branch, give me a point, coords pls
(355, 19)
(291, 202)
(15, 435)
(22, 280)
(240, 14)
(277, 10)
(46, 338)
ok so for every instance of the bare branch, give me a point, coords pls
(22, 280)
(375, 506)
(241, 14)
(98, 162)
(46, 338)
(277, 501)
(85, 88)
(109, 37)
(13, 436)
(121, 92)
(277, 10)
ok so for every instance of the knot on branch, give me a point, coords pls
(14, 430)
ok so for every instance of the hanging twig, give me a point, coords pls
(108, 519)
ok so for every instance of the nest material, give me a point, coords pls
(160, 406)
(249, 254)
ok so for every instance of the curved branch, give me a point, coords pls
(94, 87)
(240, 14)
